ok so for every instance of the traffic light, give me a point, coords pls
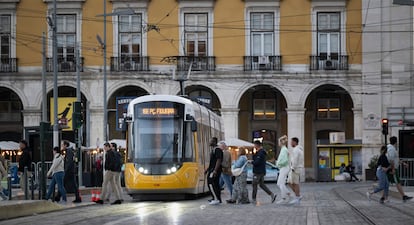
(385, 126)
(77, 116)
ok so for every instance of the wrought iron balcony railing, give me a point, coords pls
(139, 63)
(252, 63)
(332, 62)
(8, 65)
(199, 63)
(64, 65)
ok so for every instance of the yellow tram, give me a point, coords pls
(168, 145)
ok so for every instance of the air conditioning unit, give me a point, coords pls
(337, 137)
(329, 65)
(263, 59)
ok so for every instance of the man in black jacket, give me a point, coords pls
(109, 176)
(25, 161)
(259, 171)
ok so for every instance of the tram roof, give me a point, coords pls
(169, 98)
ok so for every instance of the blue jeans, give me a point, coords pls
(226, 179)
(57, 178)
(383, 184)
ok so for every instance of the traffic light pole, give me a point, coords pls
(78, 128)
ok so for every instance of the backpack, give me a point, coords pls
(226, 162)
(117, 161)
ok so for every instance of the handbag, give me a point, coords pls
(238, 171)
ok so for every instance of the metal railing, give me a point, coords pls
(199, 63)
(263, 63)
(407, 172)
(139, 63)
(64, 65)
(323, 62)
(8, 65)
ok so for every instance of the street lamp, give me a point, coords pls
(103, 44)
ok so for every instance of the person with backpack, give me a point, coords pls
(109, 176)
(117, 168)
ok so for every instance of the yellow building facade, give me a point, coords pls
(269, 67)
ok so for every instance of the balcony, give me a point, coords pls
(332, 62)
(8, 65)
(270, 63)
(139, 63)
(199, 63)
(64, 65)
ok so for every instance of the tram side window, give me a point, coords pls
(189, 147)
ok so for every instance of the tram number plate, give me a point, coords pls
(156, 177)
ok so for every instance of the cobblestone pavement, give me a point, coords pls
(323, 204)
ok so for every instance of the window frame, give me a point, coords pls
(329, 33)
(328, 108)
(130, 56)
(264, 108)
(196, 33)
(65, 56)
(7, 34)
(262, 32)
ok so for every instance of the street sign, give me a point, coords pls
(403, 2)
(121, 108)
(401, 116)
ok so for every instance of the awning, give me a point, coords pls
(9, 145)
(235, 142)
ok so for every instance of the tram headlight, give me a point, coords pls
(173, 169)
(141, 169)
(169, 171)
(145, 171)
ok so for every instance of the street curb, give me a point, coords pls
(15, 209)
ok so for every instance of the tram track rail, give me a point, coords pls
(368, 218)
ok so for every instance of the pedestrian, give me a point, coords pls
(351, 170)
(259, 171)
(109, 177)
(99, 170)
(3, 173)
(57, 172)
(214, 171)
(70, 182)
(296, 166)
(383, 184)
(25, 161)
(117, 169)
(394, 174)
(240, 193)
(283, 164)
(226, 176)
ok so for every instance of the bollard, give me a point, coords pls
(32, 185)
(9, 185)
(26, 190)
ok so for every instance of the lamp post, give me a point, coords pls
(103, 44)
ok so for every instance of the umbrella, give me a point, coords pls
(235, 142)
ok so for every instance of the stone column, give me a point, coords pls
(31, 117)
(296, 128)
(230, 122)
(358, 123)
(96, 126)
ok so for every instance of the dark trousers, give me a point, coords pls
(71, 186)
(214, 185)
(258, 180)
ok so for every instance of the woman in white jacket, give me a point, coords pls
(283, 165)
(57, 171)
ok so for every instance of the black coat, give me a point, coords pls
(259, 162)
(69, 179)
(25, 160)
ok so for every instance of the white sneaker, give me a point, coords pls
(214, 202)
(282, 201)
(368, 196)
(295, 201)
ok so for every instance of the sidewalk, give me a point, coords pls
(18, 207)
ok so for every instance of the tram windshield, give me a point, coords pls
(157, 133)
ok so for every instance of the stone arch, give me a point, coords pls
(215, 103)
(246, 86)
(18, 92)
(84, 91)
(116, 86)
(356, 99)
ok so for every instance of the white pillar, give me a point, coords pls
(31, 117)
(96, 132)
(296, 128)
(231, 122)
(358, 123)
